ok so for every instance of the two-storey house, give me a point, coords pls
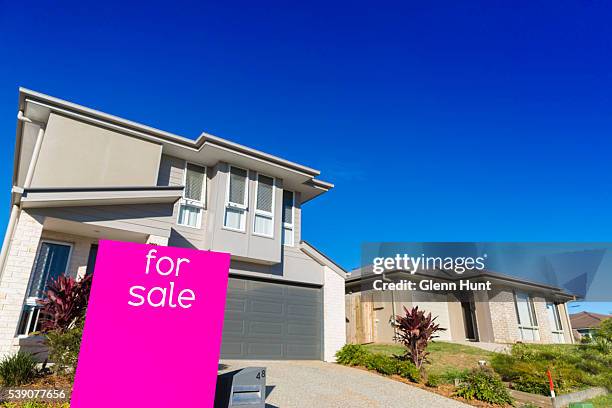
(81, 175)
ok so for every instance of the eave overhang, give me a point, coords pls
(495, 278)
(71, 197)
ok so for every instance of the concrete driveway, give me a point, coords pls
(297, 384)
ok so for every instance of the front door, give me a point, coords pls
(469, 320)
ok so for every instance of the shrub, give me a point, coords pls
(382, 364)
(531, 384)
(406, 369)
(65, 303)
(352, 354)
(572, 367)
(34, 404)
(415, 330)
(449, 376)
(358, 355)
(604, 331)
(433, 380)
(484, 385)
(18, 369)
(64, 347)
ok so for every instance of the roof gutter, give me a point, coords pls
(506, 279)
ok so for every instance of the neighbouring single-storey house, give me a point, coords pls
(512, 311)
(586, 323)
(81, 175)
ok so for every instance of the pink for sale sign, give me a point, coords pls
(153, 328)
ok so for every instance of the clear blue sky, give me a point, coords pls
(443, 121)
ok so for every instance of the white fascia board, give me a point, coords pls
(321, 259)
(91, 197)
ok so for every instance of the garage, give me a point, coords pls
(269, 320)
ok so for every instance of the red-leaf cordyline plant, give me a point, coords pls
(415, 330)
(65, 302)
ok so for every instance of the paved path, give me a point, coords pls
(297, 384)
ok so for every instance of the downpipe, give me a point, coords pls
(8, 236)
(15, 208)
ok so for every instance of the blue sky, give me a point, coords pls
(437, 122)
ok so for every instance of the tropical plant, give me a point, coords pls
(415, 330)
(484, 385)
(17, 369)
(65, 302)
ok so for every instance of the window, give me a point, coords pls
(91, 259)
(263, 223)
(192, 203)
(236, 202)
(51, 262)
(525, 311)
(288, 216)
(554, 319)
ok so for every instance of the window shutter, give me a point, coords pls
(194, 181)
(265, 193)
(237, 185)
(288, 207)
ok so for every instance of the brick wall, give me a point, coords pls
(539, 303)
(334, 317)
(19, 264)
(503, 317)
(505, 321)
(15, 278)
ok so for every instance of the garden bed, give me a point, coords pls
(573, 367)
(444, 356)
(479, 387)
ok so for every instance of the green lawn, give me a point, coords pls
(443, 356)
(604, 401)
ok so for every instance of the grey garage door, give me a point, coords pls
(266, 320)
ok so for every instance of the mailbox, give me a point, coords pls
(242, 388)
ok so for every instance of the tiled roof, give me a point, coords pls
(585, 320)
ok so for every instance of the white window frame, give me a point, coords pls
(291, 225)
(534, 330)
(188, 202)
(263, 213)
(32, 300)
(557, 333)
(236, 206)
